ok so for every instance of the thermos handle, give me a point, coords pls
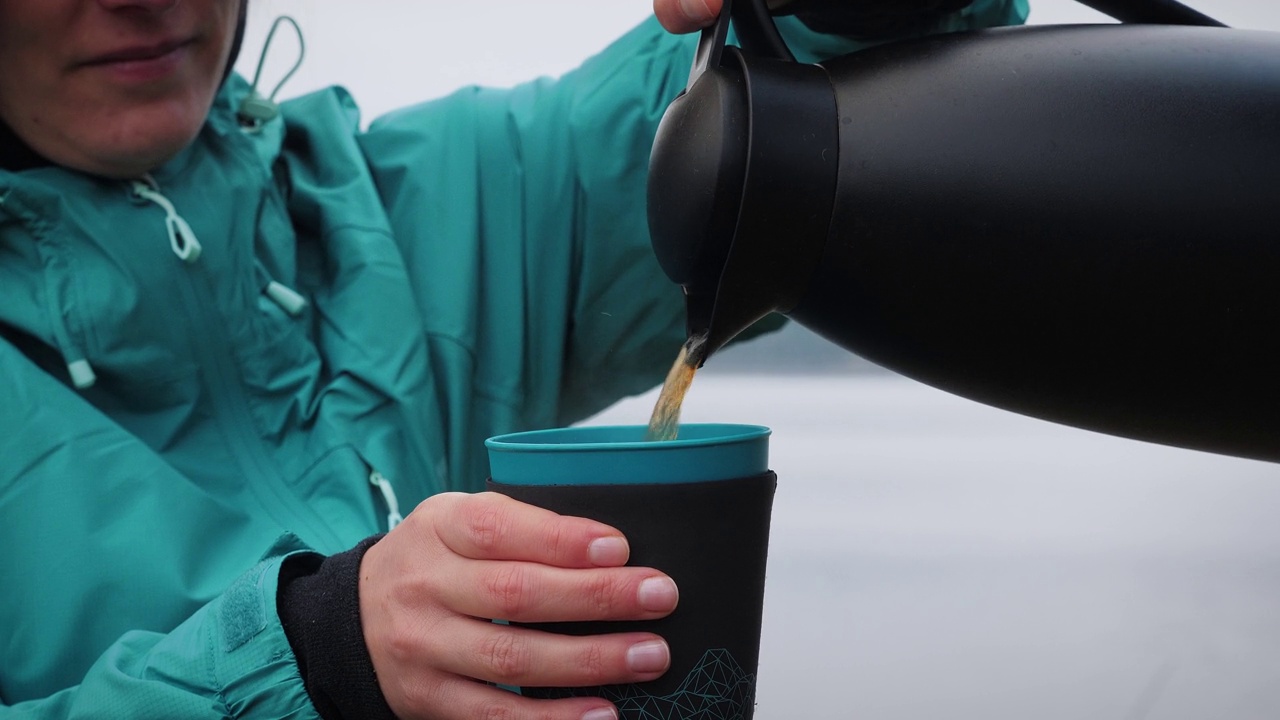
(710, 46)
(1152, 12)
(757, 33)
(756, 30)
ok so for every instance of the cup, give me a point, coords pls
(696, 508)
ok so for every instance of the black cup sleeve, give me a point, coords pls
(712, 539)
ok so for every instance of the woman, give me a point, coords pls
(221, 337)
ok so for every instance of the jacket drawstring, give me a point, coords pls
(182, 239)
(256, 109)
(379, 481)
(78, 367)
(82, 375)
(289, 300)
(186, 246)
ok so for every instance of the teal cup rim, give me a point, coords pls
(619, 454)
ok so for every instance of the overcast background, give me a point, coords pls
(931, 557)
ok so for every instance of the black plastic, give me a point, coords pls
(755, 29)
(696, 173)
(781, 223)
(1077, 223)
(1080, 223)
(710, 47)
(1158, 12)
(723, 166)
(877, 19)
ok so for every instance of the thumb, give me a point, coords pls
(683, 16)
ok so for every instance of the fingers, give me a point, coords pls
(527, 592)
(683, 16)
(489, 526)
(526, 564)
(511, 655)
(448, 697)
(458, 558)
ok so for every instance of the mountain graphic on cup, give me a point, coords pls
(716, 689)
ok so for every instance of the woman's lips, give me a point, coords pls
(140, 64)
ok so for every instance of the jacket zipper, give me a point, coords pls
(231, 408)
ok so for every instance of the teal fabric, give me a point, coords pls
(474, 266)
(809, 46)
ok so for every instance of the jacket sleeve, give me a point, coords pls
(521, 215)
(228, 660)
(91, 624)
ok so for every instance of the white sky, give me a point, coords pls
(391, 53)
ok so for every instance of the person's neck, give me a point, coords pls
(15, 154)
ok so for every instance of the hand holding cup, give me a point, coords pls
(430, 588)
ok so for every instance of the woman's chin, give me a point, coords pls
(117, 137)
(127, 156)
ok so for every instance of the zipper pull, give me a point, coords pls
(380, 482)
(182, 239)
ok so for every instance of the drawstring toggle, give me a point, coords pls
(182, 239)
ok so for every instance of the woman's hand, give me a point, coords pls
(429, 588)
(682, 16)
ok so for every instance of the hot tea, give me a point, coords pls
(664, 424)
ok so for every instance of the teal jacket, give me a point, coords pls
(364, 309)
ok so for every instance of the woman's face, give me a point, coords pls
(111, 87)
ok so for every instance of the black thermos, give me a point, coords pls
(1078, 223)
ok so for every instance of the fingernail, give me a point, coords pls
(608, 551)
(601, 714)
(658, 594)
(650, 656)
(696, 10)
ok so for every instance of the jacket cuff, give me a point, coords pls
(319, 608)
